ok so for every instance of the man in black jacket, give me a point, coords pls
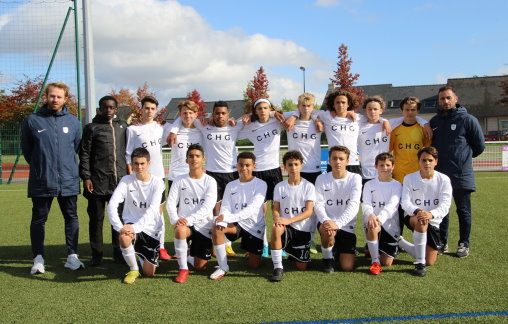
(50, 140)
(102, 165)
(459, 138)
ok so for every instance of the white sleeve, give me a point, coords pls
(253, 206)
(177, 123)
(361, 119)
(245, 132)
(405, 202)
(421, 121)
(319, 207)
(354, 202)
(445, 199)
(394, 122)
(117, 198)
(166, 129)
(130, 145)
(367, 208)
(172, 202)
(206, 209)
(225, 208)
(153, 211)
(391, 206)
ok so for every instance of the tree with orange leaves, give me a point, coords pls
(343, 78)
(126, 97)
(22, 99)
(195, 97)
(257, 88)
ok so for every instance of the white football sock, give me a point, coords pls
(420, 240)
(327, 252)
(222, 257)
(373, 250)
(277, 259)
(129, 255)
(409, 247)
(190, 260)
(181, 253)
(162, 232)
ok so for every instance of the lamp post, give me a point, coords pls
(303, 70)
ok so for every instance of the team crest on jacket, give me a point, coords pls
(66, 130)
(453, 126)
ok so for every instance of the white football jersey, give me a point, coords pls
(141, 204)
(338, 199)
(382, 199)
(266, 140)
(148, 136)
(306, 139)
(292, 201)
(243, 204)
(372, 141)
(193, 199)
(341, 131)
(432, 195)
(185, 137)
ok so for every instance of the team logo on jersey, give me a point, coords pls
(65, 130)
(453, 126)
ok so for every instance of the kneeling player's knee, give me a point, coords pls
(254, 261)
(301, 266)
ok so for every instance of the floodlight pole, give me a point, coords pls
(89, 62)
(303, 70)
(76, 45)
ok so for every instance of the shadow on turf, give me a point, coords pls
(17, 261)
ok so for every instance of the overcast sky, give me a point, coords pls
(216, 46)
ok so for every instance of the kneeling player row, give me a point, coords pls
(298, 208)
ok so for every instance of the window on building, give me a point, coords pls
(503, 125)
(430, 103)
(395, 103)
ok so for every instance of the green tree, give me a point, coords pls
(288, 105)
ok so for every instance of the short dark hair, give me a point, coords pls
(149, 98)
(195, 147)
(220, 103)
(429, 150)
(106, 98)
(411, 101)
(292, 155)
(446, 87)
(140, 152)
(330, 99)
(246, 155)
(384, 157)
(339, 148)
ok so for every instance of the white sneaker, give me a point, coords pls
(73, 262)
(218, 274)
(38, 266)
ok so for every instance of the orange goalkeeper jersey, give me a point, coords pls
(405, 142)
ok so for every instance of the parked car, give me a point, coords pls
(499, 135)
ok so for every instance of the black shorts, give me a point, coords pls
(200, 245)
(433, 237)
(310, 176)
(271, 177)
(249, 243)
(351, 168)
(387, 244)
(147, 247)
(345, 242)
(222, 180)
(296, 244)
